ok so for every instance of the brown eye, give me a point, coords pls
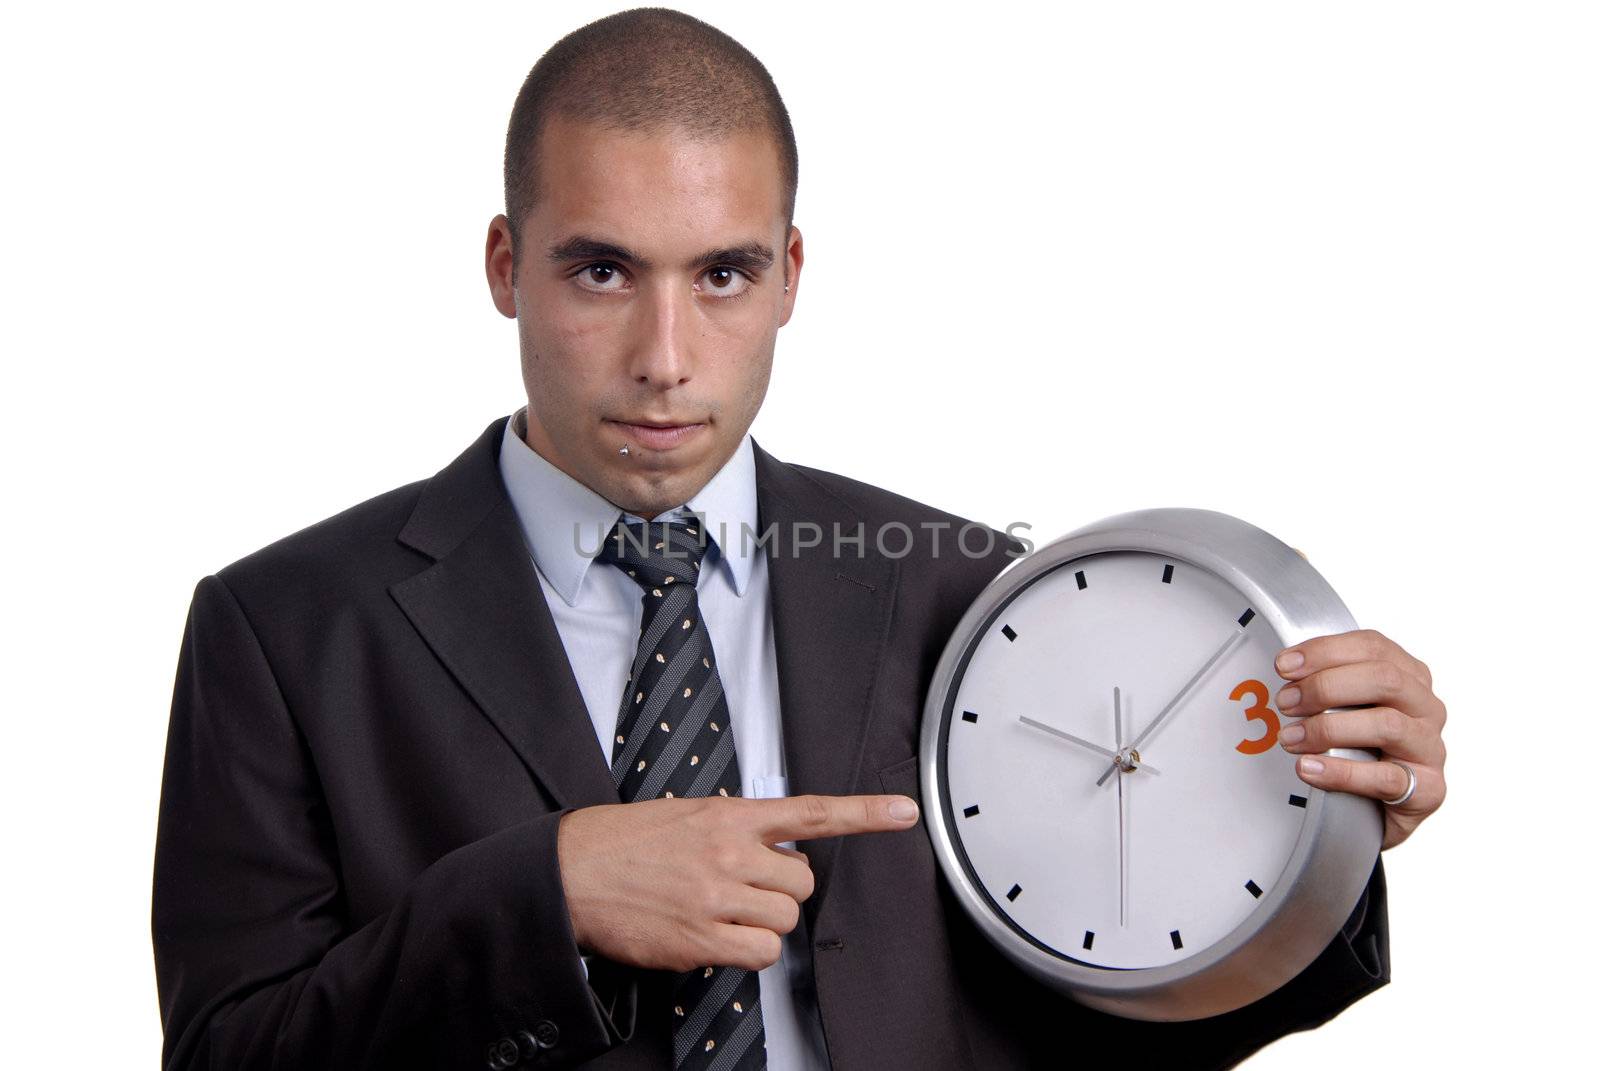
(724, 282)
(600, 278)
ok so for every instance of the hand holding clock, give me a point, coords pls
(1402, 718)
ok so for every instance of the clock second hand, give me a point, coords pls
(1122, 811)
(1201, 672)
(1080, 741)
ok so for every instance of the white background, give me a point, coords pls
(1331, 268)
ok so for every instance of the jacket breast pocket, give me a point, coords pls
(903, 778)
(912, 847)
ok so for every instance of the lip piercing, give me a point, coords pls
(623, 451)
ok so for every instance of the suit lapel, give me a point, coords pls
(830, 618)
(482, 611)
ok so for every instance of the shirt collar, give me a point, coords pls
(549, 503)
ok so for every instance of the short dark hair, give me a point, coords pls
(638, 70)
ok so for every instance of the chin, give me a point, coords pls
(641, 492)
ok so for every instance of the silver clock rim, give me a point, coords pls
(1331, 861)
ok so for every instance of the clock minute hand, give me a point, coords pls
(1182, 692)
(1080, 741)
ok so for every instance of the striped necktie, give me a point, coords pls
(674, 739)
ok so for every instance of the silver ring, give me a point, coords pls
(1410, 787)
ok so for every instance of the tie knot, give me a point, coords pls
(656, 553)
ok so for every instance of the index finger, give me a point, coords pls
(810, 817)
(1357, 645)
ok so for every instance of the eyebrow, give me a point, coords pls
(751, 256)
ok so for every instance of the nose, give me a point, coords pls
(661, 353)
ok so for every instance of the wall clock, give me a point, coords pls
(1105, 791)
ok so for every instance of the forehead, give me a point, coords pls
(661, 185)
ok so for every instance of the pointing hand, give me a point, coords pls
(675, 884)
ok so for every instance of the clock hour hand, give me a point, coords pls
(1080, 741)
(1182, 692)
(1116, 715)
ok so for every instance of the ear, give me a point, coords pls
(497, 261)
(794, 255)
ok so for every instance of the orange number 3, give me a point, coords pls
(1257, 712)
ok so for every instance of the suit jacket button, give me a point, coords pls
(546, 1034)
(503, 1054)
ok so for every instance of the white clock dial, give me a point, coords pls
(1144, 861)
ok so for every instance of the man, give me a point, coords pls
(454, 781)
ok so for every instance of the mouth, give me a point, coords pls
(656, 434)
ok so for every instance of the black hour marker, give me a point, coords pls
(1082, 583)
(1088, 938)
(1010, 633)
(967, 715)
(1166, 574)
(1016, 890)
(1255, 890)
(1297, 801)
(1177, 942)
(1244, 618)
(970, 811)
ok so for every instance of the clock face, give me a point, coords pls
(1111, 763)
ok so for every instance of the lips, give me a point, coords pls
(657, 434)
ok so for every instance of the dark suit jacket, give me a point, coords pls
(375, 732)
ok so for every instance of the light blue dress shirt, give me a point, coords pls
(597, 613)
